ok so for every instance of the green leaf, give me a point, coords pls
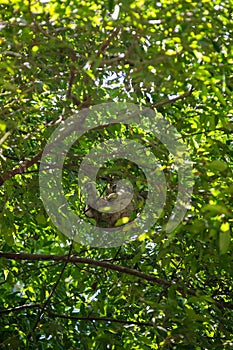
(217, 165)
(224, 242)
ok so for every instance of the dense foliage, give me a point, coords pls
(163, 290)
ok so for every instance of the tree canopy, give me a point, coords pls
(164, 289)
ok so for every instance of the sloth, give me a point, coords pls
(118, 207)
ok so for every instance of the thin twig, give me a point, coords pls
(172, 100)
(101, 319)
(20, 169)
(72, 317)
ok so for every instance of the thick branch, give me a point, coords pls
(103, 264)
(75, 259)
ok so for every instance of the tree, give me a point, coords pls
(163, 290)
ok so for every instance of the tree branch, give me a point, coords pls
(20, 169)
(109, 266)
(19, 308)
(107, 42)
(101, 319)
(172, 100)
(72, 317)
(103, 264)
(75, 259)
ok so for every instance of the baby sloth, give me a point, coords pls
(117, 208)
